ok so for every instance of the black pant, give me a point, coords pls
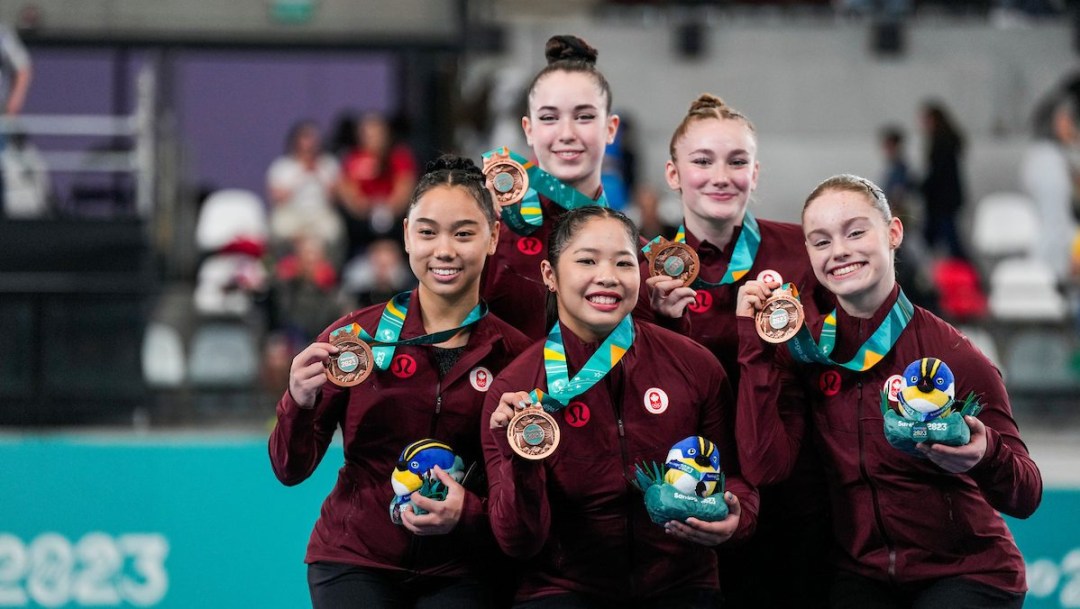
(690, 599)
(852, 591)
(340, 586)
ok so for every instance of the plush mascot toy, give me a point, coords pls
(413, 473)
(690, 485)
(925, 408)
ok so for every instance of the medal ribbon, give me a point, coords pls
(386, 336)
(561, 388)
(742, 256)
(805, 349)
(525, 216)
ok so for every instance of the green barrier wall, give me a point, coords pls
(119, 522)
(182, 523)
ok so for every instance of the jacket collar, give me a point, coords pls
(482, 338)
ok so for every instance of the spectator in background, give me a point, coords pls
(14, 83)
(26, 179)
(306, 291)
(300, 185)
(1050, 173)
(898, 179)
(377, 178)
(377, 275)
(898, 184)
(942, 186)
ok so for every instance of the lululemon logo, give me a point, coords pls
(530, 246)
(403, 366)
(577, 414)
(829, 383)
(702, 302)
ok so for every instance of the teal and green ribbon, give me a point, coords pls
(805, 349)
(742, 256)
(526, 216)
(561, 388)
(386, 336)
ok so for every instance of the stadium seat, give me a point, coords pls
(1004, 225)
(1025, 290)
(223, 355)
(225, 284)
(1039, 360)
(231, 216)
(163, 363)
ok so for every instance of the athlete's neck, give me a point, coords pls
(865, 304)
(441, 312)
(589, 186)
(717, 232)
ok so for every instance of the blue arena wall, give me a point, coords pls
(180, 521)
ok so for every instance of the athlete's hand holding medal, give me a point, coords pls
(308, 372)
(532, 433)
(774, 306)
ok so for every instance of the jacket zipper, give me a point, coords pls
(625, 456)
(415, 541)
(873, 489)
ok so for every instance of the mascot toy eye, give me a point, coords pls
(929, 389)
(693, 466)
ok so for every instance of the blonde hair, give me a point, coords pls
(852, 183)
(707, 106)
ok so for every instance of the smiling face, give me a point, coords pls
(595, 278)
(851, 246)
(568, 128)
(715, 168)
(448, 238)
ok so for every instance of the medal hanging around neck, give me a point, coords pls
(359, 352)
(807, 350)
(517, 183)
(678, 260)
(782, 316)
(533, 433)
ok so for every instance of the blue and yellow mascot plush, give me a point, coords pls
(413, 473)
(691, 483)
(926, 408)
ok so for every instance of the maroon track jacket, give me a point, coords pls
(378, 418)
(574, 516)
(897, 518)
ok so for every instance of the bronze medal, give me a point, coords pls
(533, 434)
(675, 260)
(781, 318)
(353, 362)
(506, 179)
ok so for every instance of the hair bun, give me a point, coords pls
(706, 101)
(569, 48)
(453, 162)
